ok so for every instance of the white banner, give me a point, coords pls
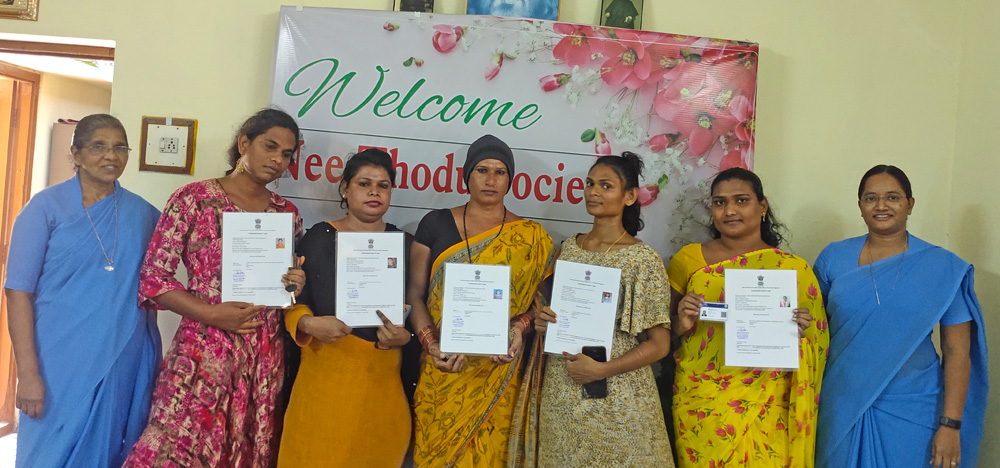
(424, 86)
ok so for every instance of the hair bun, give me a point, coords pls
(635, 161)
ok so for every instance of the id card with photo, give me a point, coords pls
(714, 311)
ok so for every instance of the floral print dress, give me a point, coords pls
(215, 402)
(625, 429)
(735, 416)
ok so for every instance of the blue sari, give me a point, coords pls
(883, 388)
(97, 350)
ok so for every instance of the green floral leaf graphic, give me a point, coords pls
(588, 135)
(408, 62)
(663, 181)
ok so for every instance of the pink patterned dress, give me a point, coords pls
(215, 399)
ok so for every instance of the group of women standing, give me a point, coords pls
(887, 400)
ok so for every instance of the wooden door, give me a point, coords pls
(18, 113)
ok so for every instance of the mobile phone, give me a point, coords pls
(597, 388)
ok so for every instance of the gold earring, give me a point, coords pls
(239, 165)
(763, 217)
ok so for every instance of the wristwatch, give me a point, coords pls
(948, 422)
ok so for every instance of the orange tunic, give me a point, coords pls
(347, 407)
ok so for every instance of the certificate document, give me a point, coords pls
(370, 277)
(256, 251)
(760, 331)
(585, 300)
(475, 310)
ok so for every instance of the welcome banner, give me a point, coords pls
(424, 86)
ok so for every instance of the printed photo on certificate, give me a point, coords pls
(760, 330)
(370, 277)
(475, 310)
(257, 249)
(585, 300)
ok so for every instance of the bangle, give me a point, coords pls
(948, 422)
(427, 335)
(525, 320)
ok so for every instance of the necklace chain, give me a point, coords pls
(465, 232)
(613, 243)
(114, 247)
(871, 271)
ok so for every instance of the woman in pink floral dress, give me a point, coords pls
(216, 395)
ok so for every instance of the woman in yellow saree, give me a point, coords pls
(728, 416)
(463, 404)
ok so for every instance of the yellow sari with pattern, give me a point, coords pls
(728, 416)
(463, 419)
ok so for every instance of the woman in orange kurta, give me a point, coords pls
(728, 416)
(347, 407)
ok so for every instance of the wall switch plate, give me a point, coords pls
(168, 145)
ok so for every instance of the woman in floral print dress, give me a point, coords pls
(215, 399)
(729, 416)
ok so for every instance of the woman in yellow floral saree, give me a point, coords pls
(463, 404)
(728, 416)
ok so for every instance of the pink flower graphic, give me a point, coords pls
(493, 69)
(667, 56)
(730, 429)
(812, 290)
(744, 111)
(627, 63)
(721, 432)
(601, 143)
(578, 45)
(697, 104)
(662, 141)
(711, 332)
(390, 26)
(735, 157)
(648, 193)
(446, 37)
(748, 380)
(554, 82)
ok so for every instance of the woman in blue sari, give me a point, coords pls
(86, 354)
(888, 401)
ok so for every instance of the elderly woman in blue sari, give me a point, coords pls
(887, 399)
(86, 354)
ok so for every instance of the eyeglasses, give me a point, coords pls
(891, 199)
(100, 149)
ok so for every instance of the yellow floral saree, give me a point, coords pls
(463, 419)
(727, 416)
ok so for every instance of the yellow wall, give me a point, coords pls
(974, 229)
(842, 86)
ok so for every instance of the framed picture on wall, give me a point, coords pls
(539, 9)
(621, 14)
(423, 6)
(19, 9)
